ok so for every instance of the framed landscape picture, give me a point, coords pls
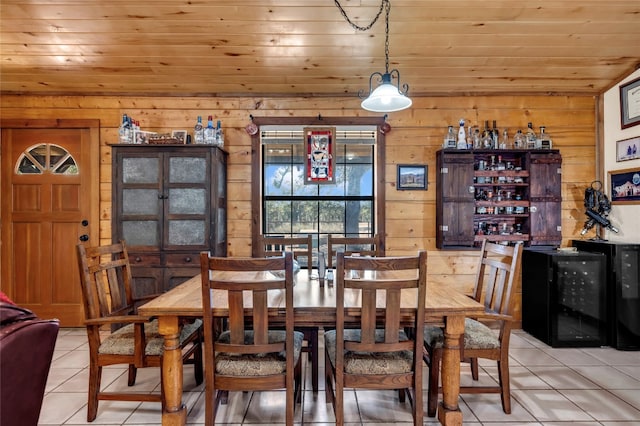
(412, 177)
(625, 186)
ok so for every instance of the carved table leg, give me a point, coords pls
(449, 412)
(174, 412)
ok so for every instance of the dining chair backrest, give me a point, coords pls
(364, 246)
(496, 277)
(256, 276)
(374, 278)
(301, 247)
(106, 280)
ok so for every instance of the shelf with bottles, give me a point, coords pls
(500, 229)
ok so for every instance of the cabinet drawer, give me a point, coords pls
(182, 259)
(145, 259)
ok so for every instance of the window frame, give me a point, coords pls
(257, 163)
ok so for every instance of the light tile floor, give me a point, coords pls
(550, 386)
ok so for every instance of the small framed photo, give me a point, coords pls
(411, 177)
(142, 137)
(628, 149)
(625, 186)
(180, 135)
(630, 103)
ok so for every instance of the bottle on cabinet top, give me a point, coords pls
(210, 132)
(545, 139)
(462, 136)
(531, 137)
(450, 138)
(198, 132)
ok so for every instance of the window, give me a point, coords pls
(289, 207)
(46, 157)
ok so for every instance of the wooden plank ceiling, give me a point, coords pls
(305, 47)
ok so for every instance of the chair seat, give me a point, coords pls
(370, 362)
(121, 341)
(476, 336)
(257, 364)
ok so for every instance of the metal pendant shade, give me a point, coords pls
(387, 97)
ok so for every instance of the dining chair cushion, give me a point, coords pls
(121, 341)
(370, 362)
(476, 336)
(233, 364)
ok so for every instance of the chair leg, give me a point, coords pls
(435, 357)
(132, 375)
(298, 383)
(198, 370)
(505, 388)
(328, 382)
(402, 395)
(95, 374)
(474, 368)
(313, 354)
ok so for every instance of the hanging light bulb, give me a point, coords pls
(387, 97)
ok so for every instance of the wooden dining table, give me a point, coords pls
(314, 306)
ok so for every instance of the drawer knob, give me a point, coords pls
(187, 259)
(138, 259)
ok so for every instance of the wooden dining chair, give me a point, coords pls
(486, 336)
(301, 247)
(253, 358)
(377, 353)
(107, 294)
(364, 246)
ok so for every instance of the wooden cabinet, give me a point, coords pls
(502, 195)
(169, 204)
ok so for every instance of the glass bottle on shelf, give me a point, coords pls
(519, 140)
(449, 138)
(504, 142)
(487, 140)
(462, 136)
(545, 139)
(531, 137)
(219, 135)
(495, 136)
(124, 131)
(198, 131)
(210, 132)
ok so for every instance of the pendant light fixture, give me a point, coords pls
(387, 97)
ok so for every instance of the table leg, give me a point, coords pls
(174, 412)
(449, 413)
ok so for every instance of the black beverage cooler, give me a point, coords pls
(623, 290)
(564, 297)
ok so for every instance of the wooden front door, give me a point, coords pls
(50, 196)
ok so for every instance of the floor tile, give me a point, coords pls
(602, 405)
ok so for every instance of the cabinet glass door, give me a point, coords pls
(141, 203)
(187, 203)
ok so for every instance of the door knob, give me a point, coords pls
(84, 237)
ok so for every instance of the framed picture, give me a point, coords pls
(628, 149)
(318, 165)
(412, 176)
(630, 103)
(625, 186)
(140, 136)
(181, 135)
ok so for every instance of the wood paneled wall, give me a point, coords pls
(416, 135)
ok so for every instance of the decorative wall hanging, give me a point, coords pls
(630, 103)
(318, 167)
(628, 149)
(625, 186)
(411, 177)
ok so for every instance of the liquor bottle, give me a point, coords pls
(531, 137)
(124, 131)
(495, 136)
(219, 135)
(198, 131)
(210, 132)
(504, 142)
(449, 138)
(462, 137)
(545, 139)
(519, 141)
(487, 139)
